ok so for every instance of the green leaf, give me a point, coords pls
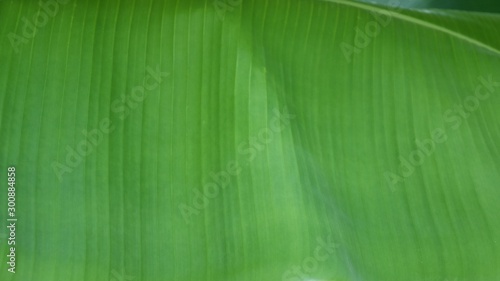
(249, 140)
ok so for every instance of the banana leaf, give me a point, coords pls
(233, 140)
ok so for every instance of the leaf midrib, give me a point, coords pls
(403, 17)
